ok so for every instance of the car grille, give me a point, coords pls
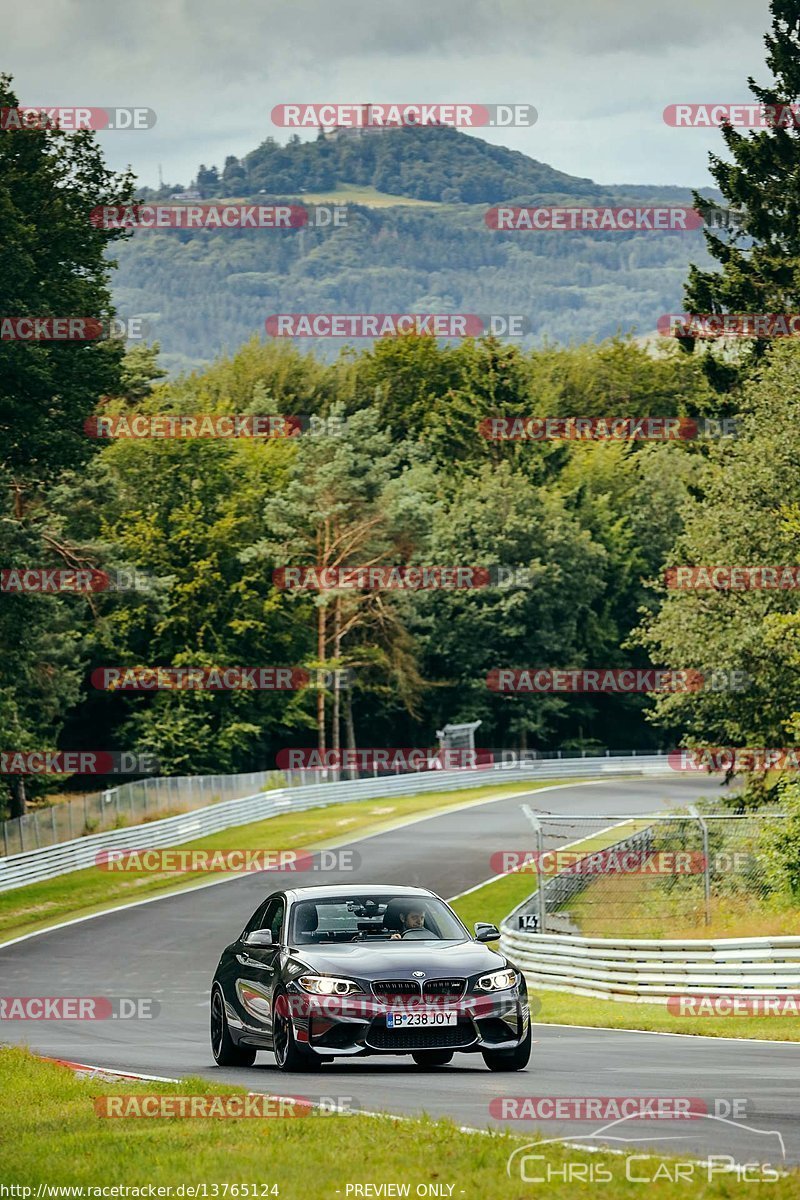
(396, 987)
(434, 1038)
(452, 988)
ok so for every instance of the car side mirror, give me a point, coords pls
(259, 937)
(486, 932)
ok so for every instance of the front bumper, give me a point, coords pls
(484, 1022)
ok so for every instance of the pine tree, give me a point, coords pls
(760, 257)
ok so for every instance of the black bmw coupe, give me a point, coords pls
(324, 972)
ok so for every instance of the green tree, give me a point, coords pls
(52, 264)
(347, 502)
(760, 257)
(542, 618)
(743, 510)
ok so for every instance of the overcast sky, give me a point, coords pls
(600, 72)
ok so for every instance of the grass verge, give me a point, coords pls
(563, 1008)
(680, 911)
(47, 1106)
(38, 905)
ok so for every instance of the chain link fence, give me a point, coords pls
(607, 876)
(133, 803)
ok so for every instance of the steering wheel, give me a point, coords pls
(417, 933)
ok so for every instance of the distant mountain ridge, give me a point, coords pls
(430, 163)
(205, 291)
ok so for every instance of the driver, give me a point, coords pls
(413, 919)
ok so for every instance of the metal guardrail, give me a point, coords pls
(143, 800)
(648, 970)
(16, 870)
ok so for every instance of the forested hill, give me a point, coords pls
(416, 239)
(435, 164)
(423, 164)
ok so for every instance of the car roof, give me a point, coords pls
(320, 891)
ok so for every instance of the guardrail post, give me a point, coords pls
(706, 863)
(540, 893)
(540, 876)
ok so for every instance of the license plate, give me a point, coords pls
(399, 1020)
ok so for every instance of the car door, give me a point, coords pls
(258, 967)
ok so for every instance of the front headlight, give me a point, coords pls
(496, 981)
(328, 985)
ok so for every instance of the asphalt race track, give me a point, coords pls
(168, 949)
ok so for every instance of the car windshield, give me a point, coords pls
(373, 918)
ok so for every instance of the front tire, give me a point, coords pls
(510, 1060)
(428, 1059)
(226, 1052)
(288, 1055)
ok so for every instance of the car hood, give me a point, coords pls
(396, 960)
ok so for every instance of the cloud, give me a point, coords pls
(599, 71)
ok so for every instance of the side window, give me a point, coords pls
(257, 920)
(272, 917)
